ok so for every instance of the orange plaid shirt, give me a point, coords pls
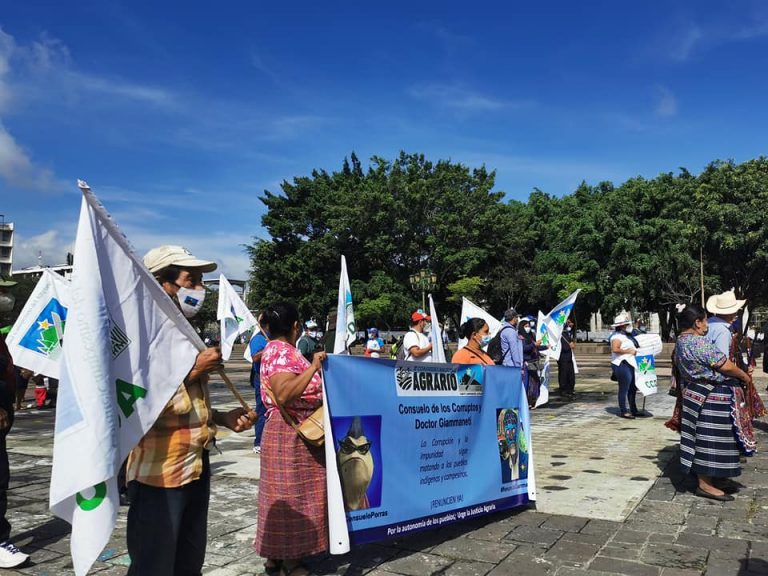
(171, 453)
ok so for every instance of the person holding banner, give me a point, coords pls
(712, 436)
(293, 511)
(623, 351)
(477, 333)
(168, 471)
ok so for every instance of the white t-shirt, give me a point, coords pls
(419, 340)
(626, 344)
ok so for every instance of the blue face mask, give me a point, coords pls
(485, 340)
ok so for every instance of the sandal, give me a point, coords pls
(628, 416)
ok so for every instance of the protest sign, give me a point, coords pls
(420, 445)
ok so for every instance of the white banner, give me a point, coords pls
(35, 341)
(544, 371)
(127, 351)
(550, 328)
(646, 379)
(233, 316)
(345, 314)
(436, 334)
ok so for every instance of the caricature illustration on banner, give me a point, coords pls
(414, 444)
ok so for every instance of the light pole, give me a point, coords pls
(425, 281)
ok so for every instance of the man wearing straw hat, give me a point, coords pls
(725, 308)
(168, 472)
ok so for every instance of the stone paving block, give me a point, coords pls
(420, 542)
(532, 535)
(680, 572)
(759, 551)
(641, 525)
(621, 551)
(565, 523)
(630, 536)
(576, 571)
(601, 527)
(463, 568)
(697, 524)
(726, 568)
(416, 564)
(581, 538)
(675, 556)
(478, 550)
(565, 552)
(662, 512)
(743, 530)
(623, 567)
(491, 532)
(520, 565)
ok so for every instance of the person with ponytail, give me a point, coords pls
(476, 331)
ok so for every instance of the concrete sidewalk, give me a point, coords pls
(610, 501)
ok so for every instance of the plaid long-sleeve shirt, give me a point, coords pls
(171, 453)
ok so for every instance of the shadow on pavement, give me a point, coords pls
(51, 532)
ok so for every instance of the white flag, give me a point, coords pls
(471, 310)
(544, 370)
(128, 349)
(233, 315)
(36, 337)
(438, 351)
(550, 328)
(345, 314)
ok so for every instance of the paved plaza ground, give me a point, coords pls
(610, 501)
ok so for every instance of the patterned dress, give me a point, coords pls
(292, 513)
(711, 439)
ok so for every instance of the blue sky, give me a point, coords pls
(179, 116)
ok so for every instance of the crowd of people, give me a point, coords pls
(168, 472)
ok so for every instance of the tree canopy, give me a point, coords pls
(635, 246)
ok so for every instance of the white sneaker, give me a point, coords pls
(257, 449)
(10, 556)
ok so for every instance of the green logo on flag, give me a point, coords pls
(88, 504)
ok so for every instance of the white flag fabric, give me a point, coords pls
(544, 370)
(346, 332)
(551, 328)
(436, 334)
(646, 379)
(233, 316)
(35, 341)
(471, 310)
(128, 348)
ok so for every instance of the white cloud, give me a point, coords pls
(686, 42)
(49, 248)
(461, 99)
(666, 103)
(18, 170)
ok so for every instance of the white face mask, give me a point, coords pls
(6, 302)
(313, 333)
(191, 301)
(628, 329)
(527, 329)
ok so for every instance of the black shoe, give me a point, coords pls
(724, 498)
(124, 500)
(729, 486)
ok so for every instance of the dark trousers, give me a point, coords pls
(167, 527)
(627, 390)
(261, 419)
(566, 376)
(5, 477)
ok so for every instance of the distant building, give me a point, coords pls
(6, 248)
(37, 271)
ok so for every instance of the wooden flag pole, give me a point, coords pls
(234, 391)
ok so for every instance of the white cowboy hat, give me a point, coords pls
(724, 303)
(622, 319)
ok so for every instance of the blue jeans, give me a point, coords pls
(261, 419)
(627, 390)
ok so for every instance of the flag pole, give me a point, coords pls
(232, 388)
